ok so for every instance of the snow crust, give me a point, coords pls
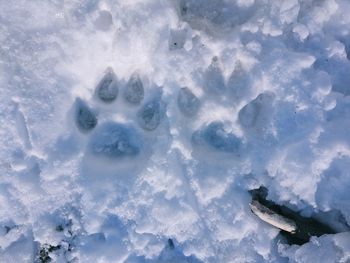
(210, 99)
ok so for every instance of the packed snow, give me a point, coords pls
(132, 130)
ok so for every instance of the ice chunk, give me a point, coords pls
(115, 140)
(85, 118)
(216, 137)
(107, 89)
(187, 102)
(134, 91)
(151, 114)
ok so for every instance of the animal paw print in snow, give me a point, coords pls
(114, 139)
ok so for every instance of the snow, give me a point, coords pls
(131, 131)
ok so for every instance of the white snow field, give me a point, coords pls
(132, 130)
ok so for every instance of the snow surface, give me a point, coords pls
(163, 176)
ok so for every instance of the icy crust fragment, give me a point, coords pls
(115, 140)
(216, 137)
(187, 102)
(85, 118)
(107, 89)
(151, 114)
(134, 91)
(254, 112)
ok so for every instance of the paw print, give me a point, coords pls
(107, 90)
(114, 140)
(85, 118)
(216, 137)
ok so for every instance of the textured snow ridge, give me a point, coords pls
(132, 131)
